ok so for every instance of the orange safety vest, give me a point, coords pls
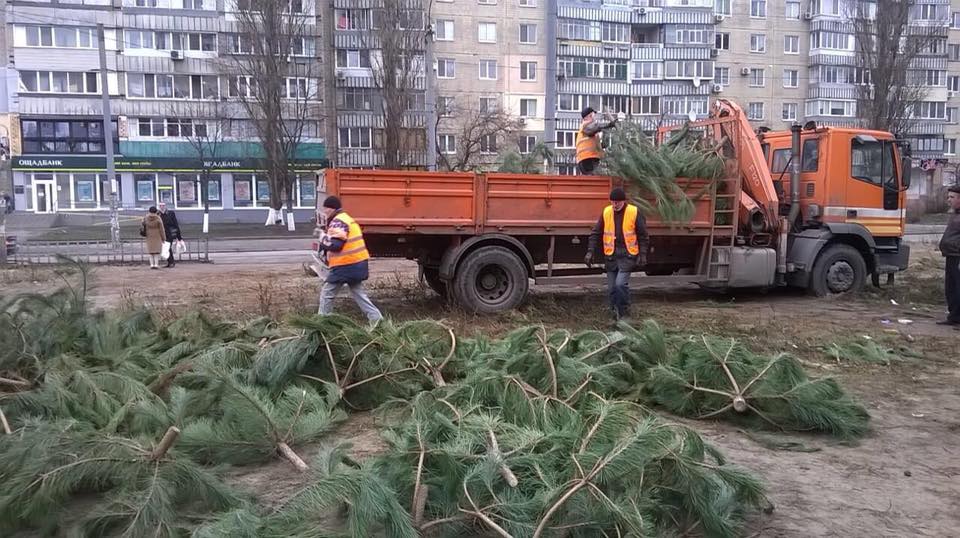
(588, 147)
(629, 230)
(354, 248)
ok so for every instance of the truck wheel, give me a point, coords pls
(432, 277)
(838, 269)
(490, 279)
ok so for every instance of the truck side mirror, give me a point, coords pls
(907, 170)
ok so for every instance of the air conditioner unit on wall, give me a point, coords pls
(176, 54)
(714, 53)
(719, 17)
(744, 71)
(717, 88)
(808, 15)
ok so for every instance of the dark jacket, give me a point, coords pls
(170, 225)
(343, 274)
(621, 257)
(950, 242)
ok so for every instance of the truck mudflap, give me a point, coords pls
(891, 261)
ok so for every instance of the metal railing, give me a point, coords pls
(101, 252)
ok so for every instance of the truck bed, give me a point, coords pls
(446, 203)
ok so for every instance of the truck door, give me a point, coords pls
(873, 194)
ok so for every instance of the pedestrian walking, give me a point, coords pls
(346, 254)
(622, 233)
(589, 151)
(152, 230)
(172, 230)
(950, 248)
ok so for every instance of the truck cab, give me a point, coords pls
(853, 186)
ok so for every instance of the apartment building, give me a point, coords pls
(168, 84)
(491, 67)
(652, 60)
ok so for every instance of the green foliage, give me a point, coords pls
(657, 175)
(514, 162)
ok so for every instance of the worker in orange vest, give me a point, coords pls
(346, 254)
(589, 151)
(622, 232)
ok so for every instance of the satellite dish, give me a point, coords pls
(691, 116)
(696, 82)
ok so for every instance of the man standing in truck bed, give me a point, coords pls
(950, 248)
(589, 151)
(347, 256)
(623, 232)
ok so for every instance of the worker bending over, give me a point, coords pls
(589, 151)
(347, 256)
(625, 242)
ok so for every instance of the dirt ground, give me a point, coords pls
(902, 480)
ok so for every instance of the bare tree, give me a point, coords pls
(477, 132)
(889, 47)
(206, 127)
(272, 73)
(400, 35)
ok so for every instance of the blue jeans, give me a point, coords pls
(618, 284)
(329, 292)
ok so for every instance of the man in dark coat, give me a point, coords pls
(172, 229)
(621, 235)
(950, 248)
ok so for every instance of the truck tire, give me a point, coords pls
(839, 269)
(431, 275)
(490, 279)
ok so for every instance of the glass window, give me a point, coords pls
(811, 155)
(872, 162)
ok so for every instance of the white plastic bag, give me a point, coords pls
(165, 250)
(181, 248)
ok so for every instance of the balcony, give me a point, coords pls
(647, 51)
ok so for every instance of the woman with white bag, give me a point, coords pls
(156, 238)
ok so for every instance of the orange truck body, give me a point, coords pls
(479, 238)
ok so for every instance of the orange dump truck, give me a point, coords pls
(824, 222)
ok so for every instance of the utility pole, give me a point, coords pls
(3, 232)
(430, 98)
(108, 137)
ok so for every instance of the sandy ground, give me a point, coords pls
(902, 480)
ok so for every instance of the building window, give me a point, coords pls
(793, 10)
(352, 19)
(953, 83)
(755, 111)
(487, 32)
(953, 52)
(824, 107)
(528, 34)
(355, 98)
(952, 114)
(157, 40)
(648, 70)
(613, 32)
(791, 78)
(758, 8)
(447, 144)
(576, 102)
(721, 75)
(692, 36)
(353, 59)
(488, 144)
(758, 43)
(684, 105)
(758, 78)
(934, 77)
(66, 37)
(354, 137)
(722, 40)
(526, 144)
(955, 20)
(825, 7)
(443, 31)
(566, 139)
(528, 3)
(950, 146)
(791, 44)
(579, 30)
(927, 12)
(168, 127)
(689, 69)
(614, 103)
(788, 112)
(59, 82)
(446, 68)
(488, 69)
(528, 71)
(831, 40)
(63, 136)
(722, 7)
(928, 110)
(488, 105)
(528, 108)
(645, 106)
(445, 105)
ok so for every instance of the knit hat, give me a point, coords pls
(587, 111)
(332, 202)
(618, 195)
(954, 188)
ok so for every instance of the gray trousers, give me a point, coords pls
(618, 285)
(329, 292)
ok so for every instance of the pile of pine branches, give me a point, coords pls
(658, 175)
(539, 433)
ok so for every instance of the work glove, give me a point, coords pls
(642, 262)
(588, 259)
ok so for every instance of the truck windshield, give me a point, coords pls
(873, 162)
(809, 163)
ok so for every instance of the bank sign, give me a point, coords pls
(152, 164)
